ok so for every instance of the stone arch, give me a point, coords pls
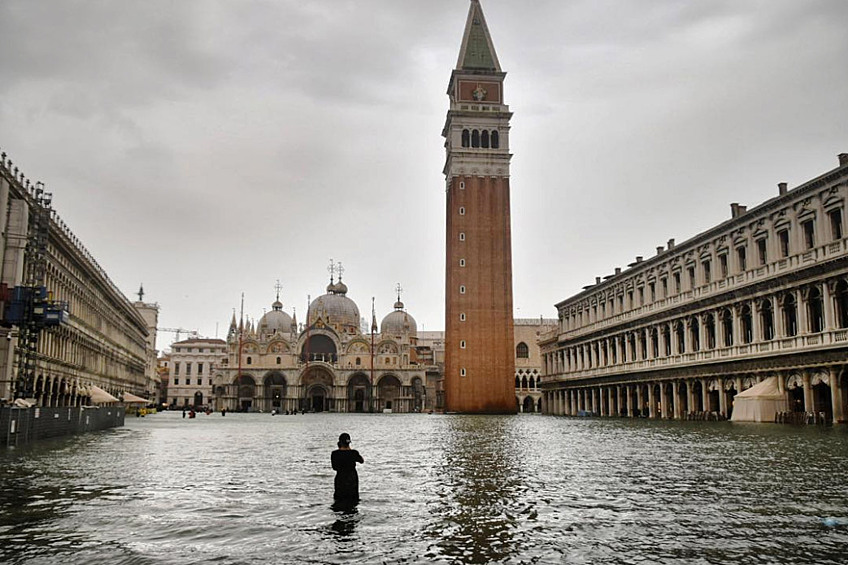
(245, 391)
(319, 347)
(388, 392)
(528, 405)
(317, 388)
(275, 386)
(359, 393)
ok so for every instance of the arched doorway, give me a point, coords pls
(198, 399)
(359, 394)
(822, 398)
(388, 393)
(275, 390)
(795, 393)
(317, 390)
(246, 388)
(528, 405)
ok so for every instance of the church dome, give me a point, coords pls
(336, 309)
(275, 321)
(399, 323)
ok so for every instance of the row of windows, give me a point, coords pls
(477, 138)
(721, 329)
(188, 381)
(652, 292)
(524, 382)
(188, 366)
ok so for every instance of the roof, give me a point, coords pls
(477, 52)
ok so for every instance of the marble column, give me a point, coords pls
(705, 396)
(664, 401)
(809, 405)
(675, 395)
(722, 398)
(836, 395)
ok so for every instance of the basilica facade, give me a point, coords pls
(329, 363)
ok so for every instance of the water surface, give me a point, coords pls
(256, 488)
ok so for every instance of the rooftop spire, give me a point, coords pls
(477, 52)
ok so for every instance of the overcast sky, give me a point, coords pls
(209, 148)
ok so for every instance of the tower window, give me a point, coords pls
(484, 139)
(461, 210)
(461, 185)
(462, 344)
(522, 351)
(461, 236)
(475, 138)
(462, 262)
(462, 317)
(495, 141)
(462, 289)
(465, 138)
(462, 372)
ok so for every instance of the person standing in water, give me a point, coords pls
(344, 460)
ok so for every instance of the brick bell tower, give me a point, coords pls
(479, 356)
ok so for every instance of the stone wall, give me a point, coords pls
(19, 426)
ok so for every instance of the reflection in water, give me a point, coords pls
(480, 486)
(437, 489)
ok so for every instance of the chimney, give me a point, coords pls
(843, 159)
(660, 249)
(597, 280)
(781, 188)
(670, 244)
(639, 258)
(618, 270)
(734, 210)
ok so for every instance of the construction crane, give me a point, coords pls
(178, 331)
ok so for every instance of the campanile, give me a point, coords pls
(479, 356)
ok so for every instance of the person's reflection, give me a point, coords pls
(347, 517)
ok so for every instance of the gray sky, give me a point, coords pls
(208, 148)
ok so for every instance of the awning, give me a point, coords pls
(130, 398)
(100, 396)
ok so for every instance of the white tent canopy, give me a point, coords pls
(760, 403)
(100, 396)
(130, 398)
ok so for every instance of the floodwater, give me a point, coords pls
(256, 488)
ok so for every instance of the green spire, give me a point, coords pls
(477, 52)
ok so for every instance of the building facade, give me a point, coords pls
(479, 364)
(764, 294)
(528, 362)
(328, 364)
(191, 365)
(103, 340)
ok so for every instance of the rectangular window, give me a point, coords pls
(176, 381)
(630, 299)
(462, 372)
(722, 265)
(742, 259)
(691, 277)
(200, 368)
(461, 236)
(707, 272)
(665, 288)
(462, 344)
(809, 234)
(641, 296)
(783, 237)
(835, 224)
(653, 288)
(188, 369)
(762, 251)
(677, 283)
(188, 382)
(462, 262)
(176, 369)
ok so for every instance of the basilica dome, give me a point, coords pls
(335, 308)
(399, 323)
(275, 321)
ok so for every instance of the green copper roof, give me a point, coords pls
(478, 54)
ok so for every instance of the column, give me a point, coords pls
(574, 402)
(801, 315)
(675, 395)
(595, 401)
(629, 392)
(836, 397)
(808, 394)
(722, 398)
(705, 396)
(702, 332)
(652, 402)
(664, 401)
(690, 396)
(640, 402)
(618, 400)
(828, 310)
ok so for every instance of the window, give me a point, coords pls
(200, 368)
(461, 210)
(630, 299)
(691, 277)
(522, 351)
(767, 320)
(835, 224)
(279, 360)
(762, 252)
(475, 138)
(188, 369)
(484, 139)
(462, 185)
(462, 289)
(722, 265)
(462, 372)
(176, 381)
(809, 229)
(188, 381)
(641, 295)
(462, 262)
(727, 326)
(747, 324)
(707, 272)
(462, 317)
(461, 236)
(742, 258)
(462, 344)
(790, 315)
(783, 238)
(653, 289)
(176, 369)
(677, 283)
(249, 360)
(841, 298)
(466, 138)
(496, 142)
(664, 288)
(815, 306)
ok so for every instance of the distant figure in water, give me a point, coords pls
(344, 460)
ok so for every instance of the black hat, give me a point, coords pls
(344, 439)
